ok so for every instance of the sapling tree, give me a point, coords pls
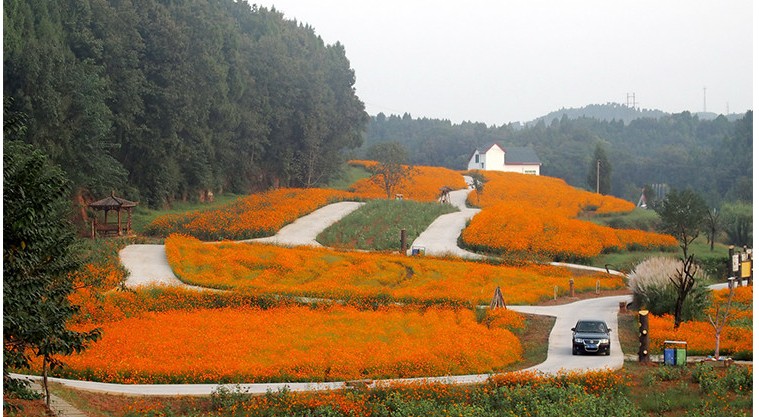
(391, 170)
(682, 215)
(719, 315)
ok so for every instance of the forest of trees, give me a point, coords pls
(163, 100)
(712, 157)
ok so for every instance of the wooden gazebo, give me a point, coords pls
(118, 205)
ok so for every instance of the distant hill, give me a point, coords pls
(615, 111)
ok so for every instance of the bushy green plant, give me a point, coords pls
(653, 290)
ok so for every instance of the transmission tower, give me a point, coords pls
(631, 100)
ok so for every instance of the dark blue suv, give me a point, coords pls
(591, 336)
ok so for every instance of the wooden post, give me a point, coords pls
(403, 241)
(129, 220)
(571, 287)
(643, 336)
(118, 222)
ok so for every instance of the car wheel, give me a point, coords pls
(608, 351)
(574, 351)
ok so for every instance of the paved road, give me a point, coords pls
(147, 264)
(441, 237)
(303, 231)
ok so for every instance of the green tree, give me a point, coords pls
(712, 226)
(738, 221)
(38, 258)
(599, 174)
(683, 214)
(391, 170)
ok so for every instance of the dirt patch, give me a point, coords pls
(585, 296)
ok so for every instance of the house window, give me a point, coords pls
(531, 172)
(477, 158)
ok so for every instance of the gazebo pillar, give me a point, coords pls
(118, 221)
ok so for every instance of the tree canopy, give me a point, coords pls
(38, 258)
(166, 100)
(712, 157)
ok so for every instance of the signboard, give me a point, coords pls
(736, 262)
(745, 269)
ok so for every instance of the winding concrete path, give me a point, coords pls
(147, 264)
(441, 237)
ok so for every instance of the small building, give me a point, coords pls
(523, 160)
(119, 205)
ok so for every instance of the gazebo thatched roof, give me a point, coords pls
(112, 203)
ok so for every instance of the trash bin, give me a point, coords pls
(417, 250)
(675, 352)
(669, 356)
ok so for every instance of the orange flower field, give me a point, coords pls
(425, 184)
(535, 217)
(328, 273)
(736, 337)
(256, 215)
(547, 192)
(700, 336)
(293, 343)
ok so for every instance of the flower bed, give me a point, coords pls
(736, 341)
(266, 269)
(425, 183)
(293, 343)
(534, 217)
(256, 215)
(736, 337)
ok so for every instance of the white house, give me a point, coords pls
(508, 159)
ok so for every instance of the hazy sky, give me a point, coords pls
(503, 61)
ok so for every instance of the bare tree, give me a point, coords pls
(721, 315)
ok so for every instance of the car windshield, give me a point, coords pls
(589, 326)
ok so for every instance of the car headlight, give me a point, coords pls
(604, 340)
(578, 340)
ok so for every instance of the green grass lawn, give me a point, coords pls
(142, 216)
(377, 225)
(349, 175)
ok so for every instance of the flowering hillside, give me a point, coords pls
(536, 217)
(256, 215)
(328, 273)
(424, 185)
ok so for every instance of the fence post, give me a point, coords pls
(403, 241)
(571, 287)
(643, 335)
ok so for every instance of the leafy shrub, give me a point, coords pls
(653, 290)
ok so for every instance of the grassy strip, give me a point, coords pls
(348, 176)
(534, 339)
(635, 391)
(377, 225)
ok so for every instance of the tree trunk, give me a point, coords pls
(716, 345)
(44, 382)
(679, 309)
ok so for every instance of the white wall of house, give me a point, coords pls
(493, 160)
(531, 169)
